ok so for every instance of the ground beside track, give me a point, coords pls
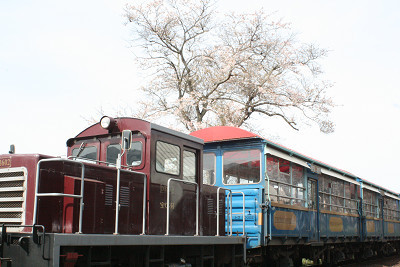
(392, 261)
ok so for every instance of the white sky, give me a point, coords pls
(62, 60)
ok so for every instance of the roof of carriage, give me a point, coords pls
(223, 133)
(229, 133)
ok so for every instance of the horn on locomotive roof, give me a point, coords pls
(12, 149)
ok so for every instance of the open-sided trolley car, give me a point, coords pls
(298, 210)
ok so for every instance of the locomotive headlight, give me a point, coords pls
(105, 122)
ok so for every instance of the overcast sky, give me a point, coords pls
(60, 61)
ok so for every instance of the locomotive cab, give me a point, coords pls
(159, 181)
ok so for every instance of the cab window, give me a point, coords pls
(189, 166)
(88, 152)
(112, 153)
(167, 158)
(133, 156)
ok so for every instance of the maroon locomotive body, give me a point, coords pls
(149, 185)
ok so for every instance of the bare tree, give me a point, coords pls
(217, 69)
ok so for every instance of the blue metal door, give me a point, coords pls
(246, 202)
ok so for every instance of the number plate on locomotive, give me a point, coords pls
(5, 162)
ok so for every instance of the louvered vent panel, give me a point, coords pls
(210, 206)
(124, 196)
(12, 196)
(221, 206)
(109, 195)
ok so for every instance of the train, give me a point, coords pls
(134, 193)
(298, 210)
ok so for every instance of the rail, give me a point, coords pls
(118, 206)
(349, 204)
(229, 219)
(106, 163)
(81, 195)
(287, 197)
(279, 184)
(37, 194)
(338, 206)
(391, 214)
(244, 208)
(168, 202)
(338, 196)
(287, 184)
(371, 209)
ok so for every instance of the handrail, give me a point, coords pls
(82, 192)
(229, 208)
(37, 194)
(338, 206)
(370, 204)
(244, 207)
(117, 205)
(282, 196)
(287, 184)
(34, 235)
(144, 202)
(108, 164)
(197, 202)
(333, 195)
(144, 205)
(127, 169)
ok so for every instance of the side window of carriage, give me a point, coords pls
(168, 158)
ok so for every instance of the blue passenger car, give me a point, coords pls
(292, 207)
(238, 166)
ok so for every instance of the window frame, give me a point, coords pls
(179, 158)
(277, 183)
(142, 154)
(108, 145)
(394, 211)
(125, 156)
(241, 150)
(215, 168)
(196, 178)
(374, 210)
(347, 201)
(88, 160)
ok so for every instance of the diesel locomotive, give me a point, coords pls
(129, 193)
